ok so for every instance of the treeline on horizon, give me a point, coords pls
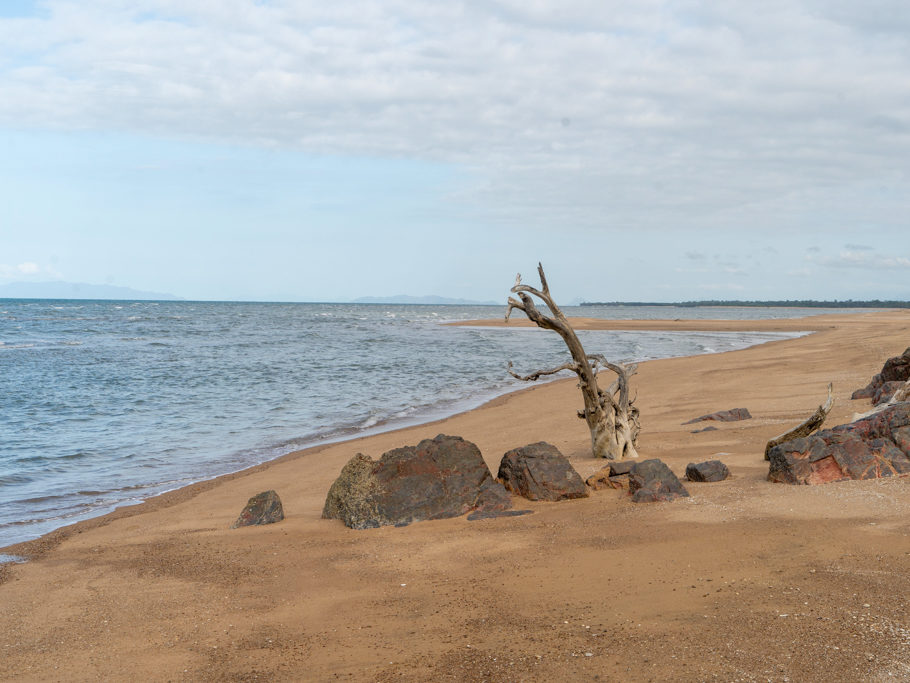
(796, 303)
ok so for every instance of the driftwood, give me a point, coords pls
(611, 416)
(811, 425)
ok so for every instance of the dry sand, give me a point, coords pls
(746, 580)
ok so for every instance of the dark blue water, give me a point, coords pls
(106, 403)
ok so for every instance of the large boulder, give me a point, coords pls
(263, 508)
(894, 373)
(539, 471)
(870, 448)
(651, 481)
(732, 415)
(438, 478)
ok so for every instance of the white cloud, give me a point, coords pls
(26, 270)
(680, 113)
(866, 260)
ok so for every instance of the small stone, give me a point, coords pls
(710, 470)
(263, 508)
(732, 415)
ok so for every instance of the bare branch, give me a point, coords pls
(534, 376)
(512, 303)
(814, 423)
(543, 278)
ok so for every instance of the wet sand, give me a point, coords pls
(744, 580)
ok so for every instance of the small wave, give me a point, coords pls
(11, 559)
(371, 421)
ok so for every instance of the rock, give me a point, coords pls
(896, 369)
(710, 470)
(884, 393)
(709, 428)
(263, 508)
(870, 448)
(651, 481)
(599, 480)
(620, 467)
(493, 514)
(731, 415)
(539, 471)
(438, 478)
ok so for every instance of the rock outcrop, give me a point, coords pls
(894, 373)
(870, 448)
(652, 481)
(710, 470)
(263, 508)
(539, 471)
(438, 478)
(732, 415)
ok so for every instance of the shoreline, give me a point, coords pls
(713, 584)
(438, 414)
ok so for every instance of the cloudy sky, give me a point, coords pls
(299, 150)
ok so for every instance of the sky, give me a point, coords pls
(289, 150)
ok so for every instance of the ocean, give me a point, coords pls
(106, 403)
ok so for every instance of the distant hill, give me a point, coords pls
(433, 300)
(78, 290)
(802, 303)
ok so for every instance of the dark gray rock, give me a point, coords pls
(732, 415)
(873, 447)
(621, 467)
(895, 372)
(710, 470)
(652, 481)
(438, 478)
(709, 428)
(539, 471)
(263, 508)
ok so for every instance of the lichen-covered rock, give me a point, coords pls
(870, 448)
(652, 481)
(894, 373)
(539, 471)
(263, 508)
(710, 470)
(438, 478)
(732, 415)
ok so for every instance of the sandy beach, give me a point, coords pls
(745, 580)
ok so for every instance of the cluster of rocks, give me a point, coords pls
(869, 448)
(447, 477)
(894, 373)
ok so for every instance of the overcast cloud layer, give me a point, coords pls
(584, 116)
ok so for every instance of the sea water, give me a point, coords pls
(105, 403)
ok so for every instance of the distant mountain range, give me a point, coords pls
(433, 300)
(78, 290)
